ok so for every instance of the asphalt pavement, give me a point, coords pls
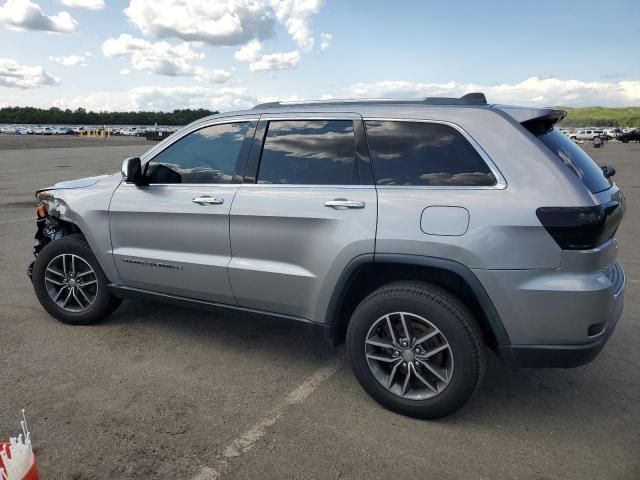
(157, 391)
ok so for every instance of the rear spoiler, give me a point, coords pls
(544, 123)
(527, 114)
(554, 116)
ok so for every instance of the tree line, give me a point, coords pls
(80, 116)
(602, 117)
(576, 117)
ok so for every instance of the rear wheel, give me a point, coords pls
(70, 283)
(415, 349)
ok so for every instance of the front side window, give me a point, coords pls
(208, 155)
(421, 153)
(309, 152)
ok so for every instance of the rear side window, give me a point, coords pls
(421, 153)
(575, 158)
(309, 152)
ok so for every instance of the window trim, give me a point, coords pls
(501, 182)
(154, 151)
(362, 156)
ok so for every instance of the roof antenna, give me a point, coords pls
(475, 97)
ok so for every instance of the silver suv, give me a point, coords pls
(420, 231)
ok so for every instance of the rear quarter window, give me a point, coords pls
(422, 153)
(574, 158)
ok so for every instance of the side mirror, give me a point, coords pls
(608, 171)
(132, 170)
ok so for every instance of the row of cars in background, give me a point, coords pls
(578, 135)
(128, 131)
(604, 134)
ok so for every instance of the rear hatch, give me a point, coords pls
(578, 228)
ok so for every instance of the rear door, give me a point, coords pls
(172, 236)
(308, 206)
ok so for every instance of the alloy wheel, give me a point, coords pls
(71, 282)
(409, 355)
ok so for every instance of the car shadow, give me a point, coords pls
(226, 329)
(529, 395)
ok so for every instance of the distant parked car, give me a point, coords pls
(61, 131)
(632, 136)
(129, 132)
(612, 132)
(586, 134)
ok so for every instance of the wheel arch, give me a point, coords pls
(367, 273)
(68, 226)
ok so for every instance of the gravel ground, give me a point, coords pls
(161, 392)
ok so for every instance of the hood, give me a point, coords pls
(71, 184)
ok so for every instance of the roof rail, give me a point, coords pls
(468, 99)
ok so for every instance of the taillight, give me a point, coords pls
(581, 228)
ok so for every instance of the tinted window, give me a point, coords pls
(576, 159)
(303, 152)
(418, 153)
(208, 155)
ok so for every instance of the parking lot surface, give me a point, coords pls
(157, 391)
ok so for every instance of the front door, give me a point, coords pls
(307, 207)
(172, 235)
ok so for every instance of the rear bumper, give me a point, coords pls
(561, 356)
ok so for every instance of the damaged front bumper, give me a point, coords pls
(48, 229)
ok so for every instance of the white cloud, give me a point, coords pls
(276, 61)
(163, 99)
(532, 91)
(325, 40)
(14, 75)
(162, 58)
(225, 22)
(87, 4)
(295, 16)
(252, 54)
(71, 60)
(26, 15)
(214, 75)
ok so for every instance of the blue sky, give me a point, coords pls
(165, 54)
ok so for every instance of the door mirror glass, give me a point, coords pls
(132, 170)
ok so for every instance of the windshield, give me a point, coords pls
(576, 159)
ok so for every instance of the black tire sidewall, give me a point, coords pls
(72, 244)
(467, 354)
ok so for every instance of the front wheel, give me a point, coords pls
(416, 349)
(70, 283)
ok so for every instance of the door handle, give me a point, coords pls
(205, 200)
(341, 203)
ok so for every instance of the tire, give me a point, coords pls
(73, 254)
(448, 321)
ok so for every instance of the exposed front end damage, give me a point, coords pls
(49, 225)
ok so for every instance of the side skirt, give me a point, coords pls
(313, 328)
